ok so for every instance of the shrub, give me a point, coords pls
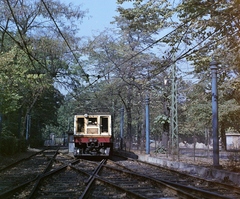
(22, 144)
(36, 142)
(8, 145)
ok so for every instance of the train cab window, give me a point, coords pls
(104, 124)
(92, 121)
(80, 124)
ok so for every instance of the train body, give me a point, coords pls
(92, 135)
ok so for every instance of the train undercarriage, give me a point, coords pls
(93, 148)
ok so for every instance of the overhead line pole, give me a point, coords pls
(213, 67)
(174, 115)
(147, 125)
(121, 128)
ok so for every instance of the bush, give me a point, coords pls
(8, 145)
(22, 144)
(36, 142)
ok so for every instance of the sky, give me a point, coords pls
(100, 14)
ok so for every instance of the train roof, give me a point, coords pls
(98, 113)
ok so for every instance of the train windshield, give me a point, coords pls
(92, 121)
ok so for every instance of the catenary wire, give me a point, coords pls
(55, 23)
(144, 49)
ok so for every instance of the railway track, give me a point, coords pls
(22, 173)
(192, 184)
(57, 175)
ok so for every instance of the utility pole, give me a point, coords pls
(174, 114)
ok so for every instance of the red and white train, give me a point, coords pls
(92, 135)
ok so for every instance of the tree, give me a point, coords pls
(37, 43)
(204, 30)
(146, 17)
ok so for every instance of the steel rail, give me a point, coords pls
(47, 174)
(21, 186)
(215, 195)
(196, 191)
(180, 192)
(21, 160)
(40, 177)
(108, 183)
(90, 180)
(37, 178)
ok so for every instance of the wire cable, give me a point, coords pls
(55, 23)
(159, 40)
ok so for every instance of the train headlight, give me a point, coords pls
(102, 150)
(90, 139)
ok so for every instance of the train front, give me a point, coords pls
(92, 135)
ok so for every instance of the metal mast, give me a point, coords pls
(213, 66)
(174, 114)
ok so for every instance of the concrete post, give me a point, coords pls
(147, 126)
(213, 66)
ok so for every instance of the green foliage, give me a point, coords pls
(10, 144)
(161, 119)
(148, 16)
(36, 141)
(34, 56)
(22, 144)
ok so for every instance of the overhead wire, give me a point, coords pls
(23, 47)
(20, 33)
(23, 44)
(160, 39)
(60, 32)
(184, 55)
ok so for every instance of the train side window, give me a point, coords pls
(104, 124)
(80, 125)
